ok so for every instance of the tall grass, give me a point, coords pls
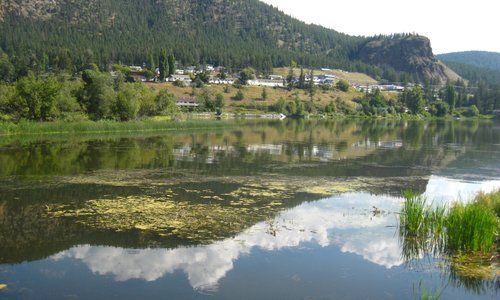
(462, 227)
(471, 227)
(490, 200)
(37, 128)
(421, 228)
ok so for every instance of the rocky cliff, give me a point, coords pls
(405, 53)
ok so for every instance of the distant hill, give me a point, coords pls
(67, 34)
(475, 74)
(482, 59)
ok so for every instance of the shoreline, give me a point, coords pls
(188, 121)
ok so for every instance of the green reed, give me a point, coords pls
(104, 126)
(462, 227)
(471, 227)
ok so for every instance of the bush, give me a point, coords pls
(239, 95)
(439, 109)
(179, 83)
(127, 104)
(471, 111)
(342, 85)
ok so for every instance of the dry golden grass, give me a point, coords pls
(352, 77)
(253, 94)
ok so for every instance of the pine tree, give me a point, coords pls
(450, 96)
(164, 67)
(171, 64)
(302, 79)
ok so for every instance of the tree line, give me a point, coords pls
(95, 96)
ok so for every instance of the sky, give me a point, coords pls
(452, 26)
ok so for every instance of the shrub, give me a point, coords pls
(239, 96)
(342, 85)
(179, 83)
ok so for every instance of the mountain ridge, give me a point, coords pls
(232, 33)
(482, 59)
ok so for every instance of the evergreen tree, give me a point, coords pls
(151, 63)
(450, 96)
(164, 67)
(171, 64)
(311, 86)
(414, 99)
(7, 70)
(302, 79)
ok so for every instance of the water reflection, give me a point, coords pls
(441, 189)
(352, 147)
(249, 165)
(204, 266)
(357, 223)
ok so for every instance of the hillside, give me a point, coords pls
(482, 59)
(475, 74)
(68, 34)
(405, 53)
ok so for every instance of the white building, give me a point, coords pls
(176, 77)
(266, 82)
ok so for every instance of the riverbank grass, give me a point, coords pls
(104, 126)
(471, 227)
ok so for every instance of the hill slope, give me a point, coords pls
(482, 59)
(233, 33)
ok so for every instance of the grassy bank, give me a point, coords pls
(104, 126)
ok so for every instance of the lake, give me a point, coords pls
(258, 209)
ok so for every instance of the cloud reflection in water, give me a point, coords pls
(345, 221)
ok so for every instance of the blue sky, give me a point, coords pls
(451, 25)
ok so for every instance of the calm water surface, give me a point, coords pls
(259, 210)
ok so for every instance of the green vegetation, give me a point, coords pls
(480, 59)
(471, 227)
(103, 126)
(343, 85)
(464, 235)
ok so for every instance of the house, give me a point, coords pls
(179, 72)
(187, 102)
(276, 77)
(216, 80)
(135, 68)
(391, 87)
(190, 69)
(184, 78)
(266, 82)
